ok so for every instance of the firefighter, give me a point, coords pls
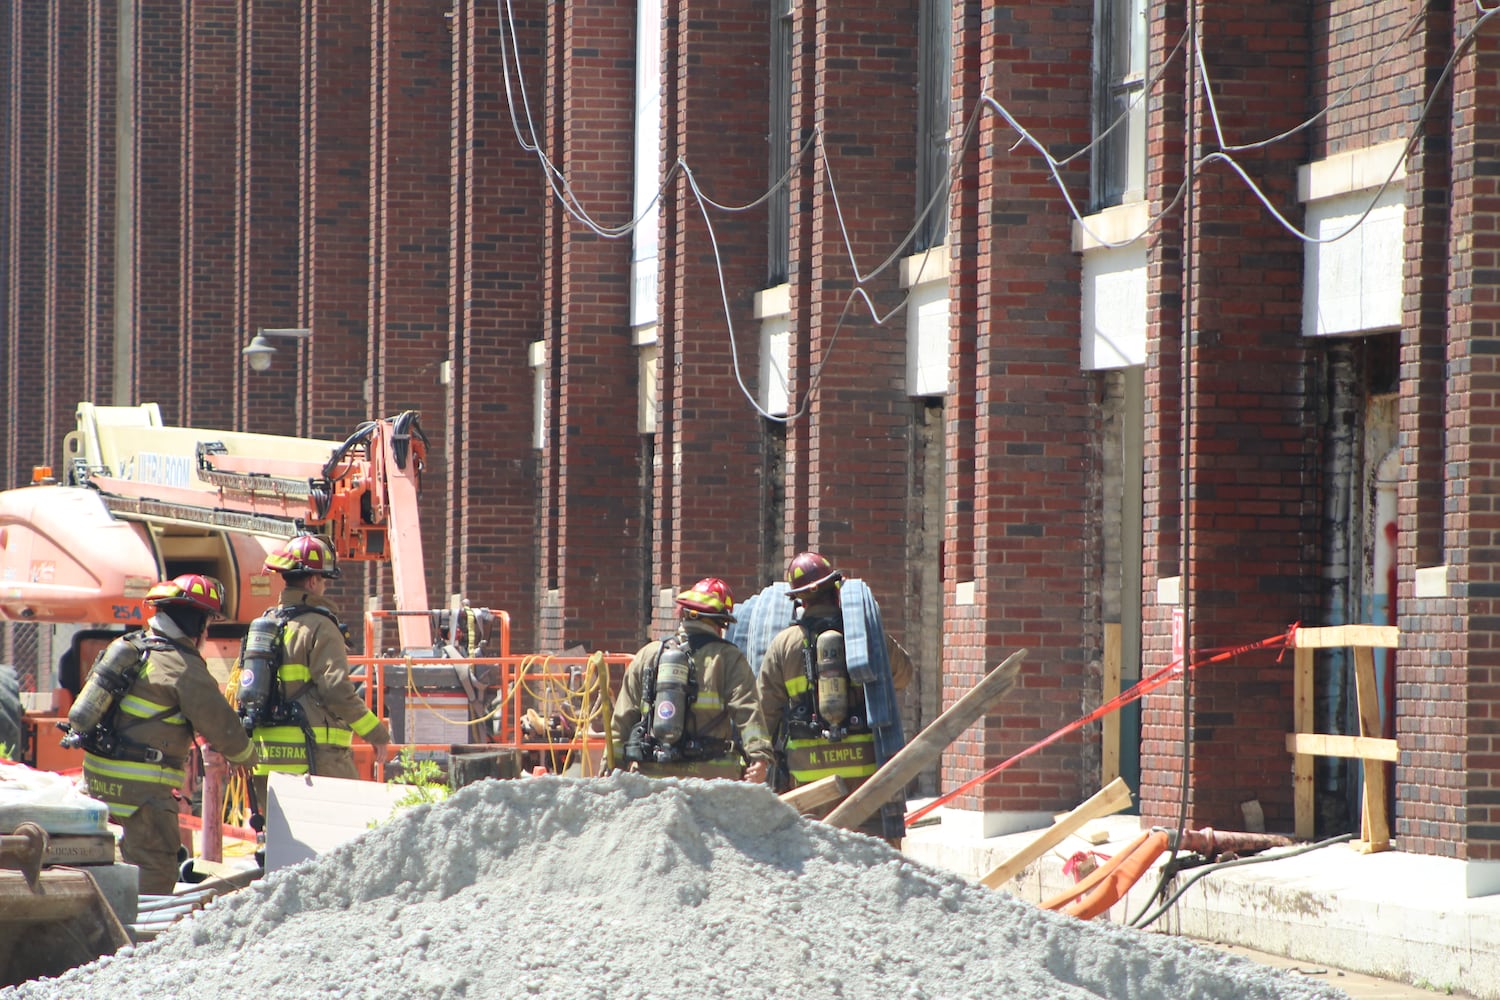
(134, 757)
(322, 712)
(813, 710)
(686, 706)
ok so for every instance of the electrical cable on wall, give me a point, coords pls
(1186, 409)
(1463, 46)
(563, 190)
(569, 198)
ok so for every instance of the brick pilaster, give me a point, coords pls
(849, 442)
(269, 215)
(1161, 774)
(67, 146)
(964, 649)
(1429, 804)
(499, 210)
(336, 247)
(159, 371)
(98, 248)
(410, 209)
(1251, 438)
(1471, 524)
(717, 125)
(592, 509)
(24, 356)
(209, 279)
(1032, 414)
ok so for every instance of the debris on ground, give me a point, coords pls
(629, 887)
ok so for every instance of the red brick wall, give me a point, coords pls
(98, 248)
(592, 510)
(1253, 509)
(209, 260)
(964, 640)
(499, 211)
(336, 246)
(318, 183)
(160, 374)
(10, 72)
(269, 225)
(715, 119)
(1031, 414)
(1361, 71)
(848, 443)
(67, 118)
(410, 210)
(1471, 529)
(1431, 776)
(23, 357)
(1162, 731)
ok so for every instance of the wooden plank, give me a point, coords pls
(1334, 636)
(1304, 817)
(1109, 726)
(927, 746)
(1375, 825)
(806, 798)
(1110, 799)
(1325, 745)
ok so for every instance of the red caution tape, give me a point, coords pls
(1142, 687)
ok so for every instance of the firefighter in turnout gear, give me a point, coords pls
(137, 748)
(686, 707)
(813, 710)
(315, 707)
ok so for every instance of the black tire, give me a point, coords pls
(10, 711)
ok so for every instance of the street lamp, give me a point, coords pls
(259, 353)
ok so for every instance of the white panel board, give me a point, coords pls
(775, 343)
(643, 281)
(927, 340)
(1353, 283)
(307, 816)
(1114, 307)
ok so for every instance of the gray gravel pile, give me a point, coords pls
(625, 887)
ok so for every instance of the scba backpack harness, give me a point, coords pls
(669, 691)
(93, 722)
(261, 693)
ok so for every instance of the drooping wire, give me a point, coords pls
(1186, 409)
(1124, 115)
(557, 178)
(563, 190)
(858, 292)
(1458, 51)
(1418, 15)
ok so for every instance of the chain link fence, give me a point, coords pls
(28, 647)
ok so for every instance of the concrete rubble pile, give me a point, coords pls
(630, 887)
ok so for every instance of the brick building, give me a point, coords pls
(858, 314)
